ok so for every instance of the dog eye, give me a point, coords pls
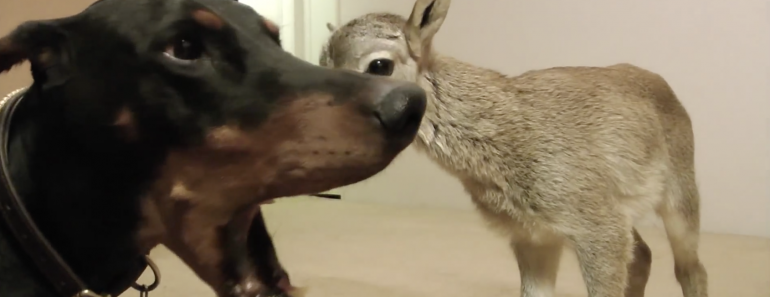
(382, 67)
(186, 49)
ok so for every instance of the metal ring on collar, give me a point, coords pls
(156, 275)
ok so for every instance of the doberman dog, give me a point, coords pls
(168, 122)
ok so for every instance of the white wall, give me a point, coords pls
(715, 54)
(282, 13)
(317, 14)
(302, 23)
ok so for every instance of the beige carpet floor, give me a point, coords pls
(345, 249)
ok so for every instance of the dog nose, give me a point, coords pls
(401, 109)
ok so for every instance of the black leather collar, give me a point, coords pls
(15, 215)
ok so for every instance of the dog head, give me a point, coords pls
(228, 118)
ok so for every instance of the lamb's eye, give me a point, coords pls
(382, 67)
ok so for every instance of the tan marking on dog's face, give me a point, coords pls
(180, 191)
(125, 121)
(208, 19)
(307, 145)
(228, 137)
(271, 26)
(124, 118)
(45, 57)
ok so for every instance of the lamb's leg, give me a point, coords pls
(639, 268)
(682, 229)
(604, 248)
(538, 265)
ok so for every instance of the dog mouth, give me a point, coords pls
(251, 271)
(217, 192)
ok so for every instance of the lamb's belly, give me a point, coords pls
(504, 215)
(501, 212)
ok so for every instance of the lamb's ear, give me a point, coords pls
(330, 27)
(43, 44)
(426, 19)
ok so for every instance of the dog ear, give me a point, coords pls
(43, 44)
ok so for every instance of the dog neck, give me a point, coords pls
(81, 188)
